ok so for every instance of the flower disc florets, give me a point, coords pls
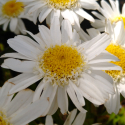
(12, 8)
(119, 52)
(63, 4)
(61, 63)
(3, 119)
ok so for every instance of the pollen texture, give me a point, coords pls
(62, 62)
(12, 8)
(3, 119)
(62, 4)
(119, 52)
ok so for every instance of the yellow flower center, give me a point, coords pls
(119, 52)
(119, 18)
(62, 4)
(12, 8)
(3, 119)
(62, 63)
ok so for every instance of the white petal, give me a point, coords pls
(79, 119)
(13, 24)
(84, 36)
(104, 78)
(14, 55)
(105, 66)
(45, 33)
(79, 94)
(90, 91)
(30, 113)
(76, 20)
(106, 7)
(24, 84)
(121, 88)
(113, 104)
(113, 5)
(104, 57)
(4, 91)
(89, 5)
(54, 13)
(93, 32)
(49, 120)
(44, 13)
(21, 26)
(23, 47)
(84, 14)
(3, 21)
(101, 42)
(71, 117)
(35, 7)
(123, 9)
(55, 31)
(20, 78)
(20, 66)
(98, 15)
(54, 106)
(62, 100)
(49, 93)
(73, 97)
(40, 41)
(5, 25)
(76, 37)
(21, 100)
(38, 91)
(66, 31)
(66, 14)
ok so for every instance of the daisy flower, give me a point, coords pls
(63, 65)
(67, 9)
(11, 13)
(117, 48)
(18, 110)
(109, 11)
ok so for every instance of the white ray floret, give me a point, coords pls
(72, 119)
(64, 66)
(11, 14)
(18, 110)
(110, 11)
(67, 9)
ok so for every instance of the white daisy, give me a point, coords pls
(64, 65)
(11, 13)
(109, 11)
(67, 9)
(18, 110)
(117, 48)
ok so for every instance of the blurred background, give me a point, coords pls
(94, 115)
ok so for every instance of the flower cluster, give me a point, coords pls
(65, 63)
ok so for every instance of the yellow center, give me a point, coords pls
(119, 18)
(12, 8)
(119, 52)
(62, 4)
(3, 119)
(62, 62)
